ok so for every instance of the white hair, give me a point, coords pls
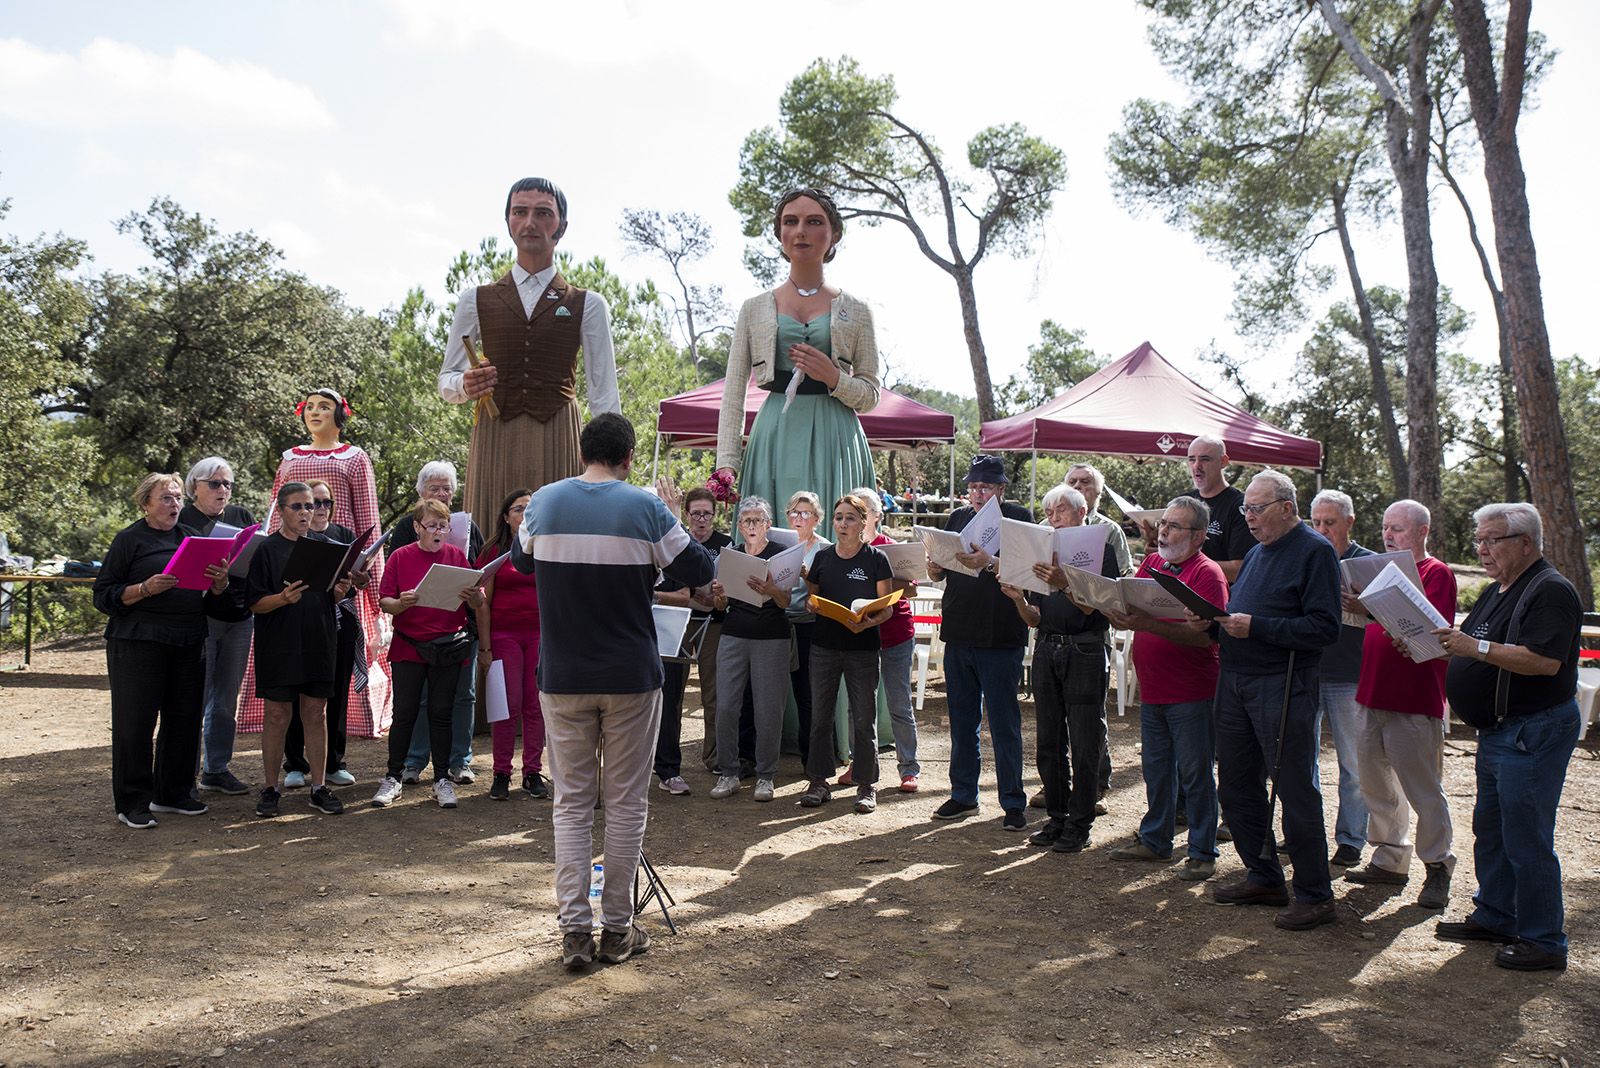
(438, 469)
(1339, 499)
(1056, 494)
(1519, 518)
(206, 468)
(754, 504)
(1094, 473)
(1199, 511)
(1416, 511)
(1279, 481)
(870, 495)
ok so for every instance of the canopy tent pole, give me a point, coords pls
(1033, 482)
(655, 464)
(952, 474)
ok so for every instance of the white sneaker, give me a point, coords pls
(675, 786)
(388, 792)
(727, 786)
(410, 775)
(444, 792)
(763, 790)
(294, 780)
(341, 777)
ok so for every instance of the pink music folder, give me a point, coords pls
(194, 555)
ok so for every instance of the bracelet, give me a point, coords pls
(144, 591)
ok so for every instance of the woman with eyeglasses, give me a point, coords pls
(155, 657)
(344, 659)
(431, 645)
(812, 348)
(210, 490)
(753, 650)
(347, 470)
(847, 571)
(803, 512)
(294, 650)
(894, 659)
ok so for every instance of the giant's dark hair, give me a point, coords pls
(540, 185)
(829, 208)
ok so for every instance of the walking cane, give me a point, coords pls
(1268, 843)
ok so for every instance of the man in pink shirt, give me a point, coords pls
(1401, 748)
(1177, 667)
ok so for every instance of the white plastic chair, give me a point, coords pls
(1121, 655)
(929, 649)
(1588, 698)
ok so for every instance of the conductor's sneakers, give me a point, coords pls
(618, 946)
(139, 819)
(577, 950)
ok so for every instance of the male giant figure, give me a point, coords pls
(528, 324)
(595, 543)
(1282, 612)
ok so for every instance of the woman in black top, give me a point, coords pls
(754, 649)
(295, 644)
(210, 488)
(846, 571)
(351, 639)
(155, 657)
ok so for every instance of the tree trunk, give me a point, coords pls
(1495, 110)
(975, 350)
(1399, 473)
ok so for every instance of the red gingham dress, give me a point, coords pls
(348, 472)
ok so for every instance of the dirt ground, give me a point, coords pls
(421, 936)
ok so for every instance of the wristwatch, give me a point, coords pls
(1483, 648)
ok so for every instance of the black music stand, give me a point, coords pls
(653, 889)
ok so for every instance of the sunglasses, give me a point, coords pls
(299, 506)
(219, 484)
(322, 503)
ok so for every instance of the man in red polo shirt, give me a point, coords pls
(1401, 748)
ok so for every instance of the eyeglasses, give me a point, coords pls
(1484, 543)
(435, 528)
(981, 487)
(299, 506)
(752, 521)
(170, 498)
(322, 503)
(1257, 509)
(701, 515)
(219, 484)
(802, 513)
(1162, 524)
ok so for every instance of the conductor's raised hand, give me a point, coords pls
(477, 381)
(670, 495)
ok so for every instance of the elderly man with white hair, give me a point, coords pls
(209, 487)
(1087, 480)
(1281, 613)
(1512, 673)
(1402, 732)
(1333, 515)
(438, 481)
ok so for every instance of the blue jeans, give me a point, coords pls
(979, 680)
(462, 715)
(895, 675)
(1177, 749)
(227, 652)
(1248, 708)
(1343, 715)
(1522, 765)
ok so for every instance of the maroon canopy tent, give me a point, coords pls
(690, 419)
(1143, 406)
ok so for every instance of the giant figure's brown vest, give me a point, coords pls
(536, 356)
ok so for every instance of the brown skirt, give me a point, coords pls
(518, 453)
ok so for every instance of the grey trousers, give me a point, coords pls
(860, 672)
(764, 664)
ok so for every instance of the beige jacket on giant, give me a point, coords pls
(755, 348)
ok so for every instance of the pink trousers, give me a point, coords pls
(519, 651)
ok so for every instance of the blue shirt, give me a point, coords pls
(1290, 590)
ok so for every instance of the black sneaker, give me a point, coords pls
(139, 819)
(500, 789)
(323, 800)
(267, 804)
(1345, 857)
(187, 807)
(222, 782)
(536, 786)
(1071, 842)
(1014, 820)
(1047, 833)
(954, 810)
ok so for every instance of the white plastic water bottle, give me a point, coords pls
(597, 882)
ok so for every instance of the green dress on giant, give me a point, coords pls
(813, 442)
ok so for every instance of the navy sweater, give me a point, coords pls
(1290, 590)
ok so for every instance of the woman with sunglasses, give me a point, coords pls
(807, 434)
(344, 659)
(847, 571)
(209, 488)
(294, 650)
(347, 470)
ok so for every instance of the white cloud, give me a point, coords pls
(109, 83)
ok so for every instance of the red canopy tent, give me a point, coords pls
(1143, 406)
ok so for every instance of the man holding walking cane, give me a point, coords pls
(1282, 611)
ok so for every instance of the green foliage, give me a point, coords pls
(44, 313)
(1058, 361)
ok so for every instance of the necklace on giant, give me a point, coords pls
(805, 292)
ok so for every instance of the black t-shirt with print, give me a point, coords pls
(1228, 536)
(764, 623)
(846, 580)
(1550, 627)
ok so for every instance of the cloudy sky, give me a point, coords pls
(372, 141)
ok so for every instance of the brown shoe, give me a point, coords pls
(1371, 875)
(1245, 892)
(1037, 800)
(1304, 915)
